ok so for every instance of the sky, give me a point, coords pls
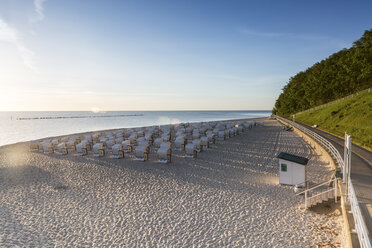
(58, 55)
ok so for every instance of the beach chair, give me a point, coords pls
(127, 147)
(98, 150)
(62, 149)
(180, 143)
(204, 142)
(48, 147)
(149, 136)
(164, 154)
(71, 144)
(166, 136)
(190, 151)
(110, 143)
(195, 134)
(240, 129)
(221, 135)
(157, 142)
(141, 153)
(34, 145)
(231, 132)
(119, 140)
(81, 149)
(166, 144)
(227, 134)
(133, 138)
(199, 147)
(117, 151)
(211, 138)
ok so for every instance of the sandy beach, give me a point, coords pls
(228, 196)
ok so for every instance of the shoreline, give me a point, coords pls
(115, 129)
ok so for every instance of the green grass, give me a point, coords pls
(353, 115)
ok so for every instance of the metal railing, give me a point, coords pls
(320, 140)
(308, 199)
(360, 226)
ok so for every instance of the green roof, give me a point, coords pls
(293, 158)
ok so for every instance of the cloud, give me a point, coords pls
(306, 37)
(39, 10)
(261, 34)
(10, 34)
(285, 35)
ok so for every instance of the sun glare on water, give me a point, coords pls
(95, 110)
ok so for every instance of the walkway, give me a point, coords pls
(361, 174)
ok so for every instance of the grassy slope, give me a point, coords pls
(353, 115)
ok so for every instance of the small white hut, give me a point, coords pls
(292, 169)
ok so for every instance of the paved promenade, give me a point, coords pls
(361, 174)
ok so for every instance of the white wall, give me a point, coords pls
(295, 173)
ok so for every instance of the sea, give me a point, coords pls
(24, 126)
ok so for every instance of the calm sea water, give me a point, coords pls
(24, 126)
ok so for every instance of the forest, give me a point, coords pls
(341, 74)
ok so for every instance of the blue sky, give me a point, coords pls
(165, 55)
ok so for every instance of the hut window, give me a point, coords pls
(283, 167)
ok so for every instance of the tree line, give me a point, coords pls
(341, 74)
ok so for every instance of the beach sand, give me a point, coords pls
(227, 197)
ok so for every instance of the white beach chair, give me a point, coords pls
(199, 147)
(34, 145)
(127, 147)
(81, 149)
(180, 143)
(62, 149)
(227, 134)
(204, 142)
(133, 138)
(166, 144)
(211, 138)
(71, 144)
(190, 151)
(141, 153)
(221, 135)
(240, 129)
(119, 140)
(164, 154)
(231, 132)
(117, 151)
(110, 143)
(48, 147)
(98, 150)
(195, 134)
(157, 142)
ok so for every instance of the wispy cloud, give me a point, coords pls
(11, 35)
(307, 37)
(252, 32)
(39, 10)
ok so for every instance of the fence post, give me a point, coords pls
(345, 159)
(305, 199)
(336, 192)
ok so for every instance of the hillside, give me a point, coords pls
(353, 115)
(341, 74)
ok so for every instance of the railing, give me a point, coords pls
(320, 140)
(308, 199)
(360, 225)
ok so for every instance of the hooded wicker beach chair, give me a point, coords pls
(117, 151)
(98, 150)
(190, 150)
(141, 153)
(164, 154)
